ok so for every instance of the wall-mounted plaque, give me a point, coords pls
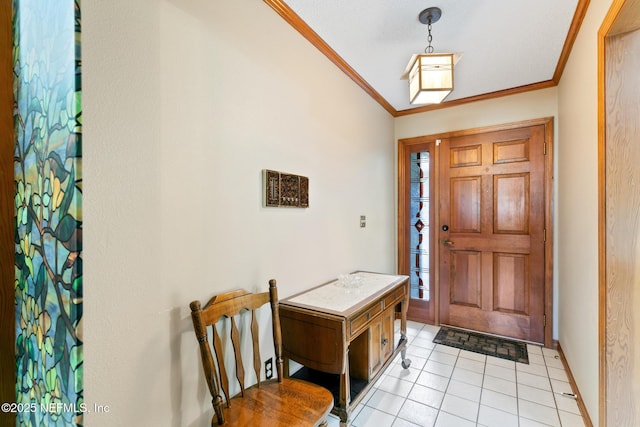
(281, 189)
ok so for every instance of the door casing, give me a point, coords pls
(617, 216)
(7, 221)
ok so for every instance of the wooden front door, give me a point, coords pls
(492, 232)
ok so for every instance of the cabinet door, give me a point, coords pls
(375, 347)
(380, 341)
(387, 344)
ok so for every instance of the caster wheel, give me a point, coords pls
(406, 363)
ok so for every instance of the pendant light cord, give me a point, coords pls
(429, 49)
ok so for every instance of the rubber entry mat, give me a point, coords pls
(483, 344)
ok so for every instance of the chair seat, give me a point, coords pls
(291, 403)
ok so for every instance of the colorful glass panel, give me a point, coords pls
(48, 212)
(419, 233)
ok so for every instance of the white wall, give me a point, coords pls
(184, 104)
(578, 207)
(508, 109)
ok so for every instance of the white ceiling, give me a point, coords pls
(505, 43)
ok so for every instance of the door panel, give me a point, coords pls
(511, 284)
(466, 278)
(511, 204)
(511, 151)
(492, 270)
(466, 156)
(465, 200)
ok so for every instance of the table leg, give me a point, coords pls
(345, 391)
(403, 354)
(403, 329)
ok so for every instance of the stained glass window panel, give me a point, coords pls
(419, 231)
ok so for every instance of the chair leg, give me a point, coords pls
(217, 409)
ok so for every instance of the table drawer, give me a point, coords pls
(394, 297)
(362, 320)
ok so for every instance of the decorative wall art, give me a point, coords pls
(281, 189)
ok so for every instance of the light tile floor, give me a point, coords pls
(447, 387)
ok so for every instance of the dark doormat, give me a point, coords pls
(483, 344)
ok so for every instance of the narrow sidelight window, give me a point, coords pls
(419, 227)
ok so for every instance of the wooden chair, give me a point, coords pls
(277, 402)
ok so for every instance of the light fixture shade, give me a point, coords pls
(431, 78)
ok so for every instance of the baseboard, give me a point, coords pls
(574, 386)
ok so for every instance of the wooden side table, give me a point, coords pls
(344, 336)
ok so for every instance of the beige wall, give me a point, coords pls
(514, 108)
(184, 104)
(578, 207)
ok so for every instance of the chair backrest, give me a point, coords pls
(231, 305)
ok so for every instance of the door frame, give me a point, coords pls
(623, 16)
(7, 230)
(405, 145)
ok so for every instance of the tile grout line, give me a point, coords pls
(448, 384)
(484, 372)
(555, 401)
(518, 392)
(444, 393)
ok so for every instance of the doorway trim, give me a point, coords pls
(405, 144)
(7, 245)
(622, 16)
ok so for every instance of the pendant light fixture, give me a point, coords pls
(430, 74)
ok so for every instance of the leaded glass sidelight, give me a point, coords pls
(419, 240)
